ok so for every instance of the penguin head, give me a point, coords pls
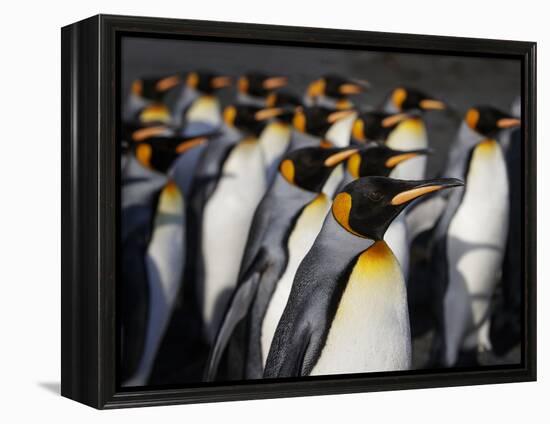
(336, 86)
(207, 82)
(155, 88)
(158, 147)
(368, 205)
(379, 160)
(408, 99)
(309, 168)
(281, 114)
(259, 84)
(376, 126)
(284, 99)
(317, 120)
(247, 118)
(488, 121)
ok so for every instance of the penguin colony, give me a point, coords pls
(278, 235)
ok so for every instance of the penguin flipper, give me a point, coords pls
(238, 309)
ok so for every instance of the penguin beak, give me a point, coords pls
(274, 83)
(339, 157)
(425, 187)
(432, 104)
(189, 144)
(145, 133)
(268, 113)
(508, 123)
(220, 82)
(393, 120)
(167, 83)
(395, 160)
(350, 89)
(338, 115)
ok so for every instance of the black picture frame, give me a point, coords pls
(90, 105)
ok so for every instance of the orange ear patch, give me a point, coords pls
(143, 154)
(287, 170)
(472, 118)
(341, 208)
(398, 97)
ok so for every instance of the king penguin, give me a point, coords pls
(295, 210)
(347, 310)
(296, 204)
(506, 322)
(228, 213)
(150, 279)
(411, 133)
(470, 239)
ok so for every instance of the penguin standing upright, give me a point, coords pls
(470, 240)
(309, 124)
(295, 214)
(150, 278)
(410, 134)
(506, 323)
(347, 310)
(227, 215)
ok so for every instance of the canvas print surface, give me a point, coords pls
(288, 212)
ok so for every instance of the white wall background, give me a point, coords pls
(30, 212)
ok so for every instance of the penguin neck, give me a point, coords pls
(466, 140)
(300, 139)
(339, 133)
(205, 108)
(185, 97)
(170, 200)
(333, 181)
(349, 244)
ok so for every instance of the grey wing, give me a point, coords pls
(238, 309)
(303, 325)
(258, 228)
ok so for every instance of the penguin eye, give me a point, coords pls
(375, 196)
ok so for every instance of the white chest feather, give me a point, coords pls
(274, 142)
(227, 218)
(340, 132)
(409, 134)
(166, 246)
(370, 331)
(205, 109)
(164, 264)
(478, 231)
(301, 239)
(397, 239)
